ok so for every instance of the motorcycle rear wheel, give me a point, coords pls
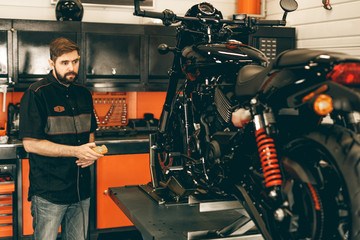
(323, 191)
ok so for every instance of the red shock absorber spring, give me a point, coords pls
(268, 158)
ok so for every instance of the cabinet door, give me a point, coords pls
(31, 41)
(117, 171)
(5, 52)
(27, 218)
(158, 65)
(113, 56)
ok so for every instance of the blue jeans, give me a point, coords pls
(47, 218)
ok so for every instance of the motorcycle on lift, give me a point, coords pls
(281, 137)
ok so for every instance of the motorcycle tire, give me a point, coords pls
(323, 189)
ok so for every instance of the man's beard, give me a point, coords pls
(63, 79)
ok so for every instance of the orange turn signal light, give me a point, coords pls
(323, 105)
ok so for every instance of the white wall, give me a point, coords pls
(318, 28)
(43, 10)
(337, 30)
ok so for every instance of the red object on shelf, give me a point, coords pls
(249, 7)
(3, 129)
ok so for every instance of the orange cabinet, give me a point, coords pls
(117, 171)
(27, 218)
(111, 171)
(7, 188)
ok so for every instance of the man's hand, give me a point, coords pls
(85, 163)
(86, 156)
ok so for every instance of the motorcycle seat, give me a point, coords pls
(249, 80)
(251, 77)
(300, 57)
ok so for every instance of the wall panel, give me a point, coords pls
(316, 27)
(44, 10)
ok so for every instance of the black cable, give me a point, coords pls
(79, 199)
(78, 185)
(78, 181)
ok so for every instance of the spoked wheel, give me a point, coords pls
(321, 186)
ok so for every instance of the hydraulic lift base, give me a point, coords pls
(192, 221)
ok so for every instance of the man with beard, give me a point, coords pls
(57, 126)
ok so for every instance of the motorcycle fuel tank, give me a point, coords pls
(230, 52)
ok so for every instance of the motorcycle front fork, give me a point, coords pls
(170, 95)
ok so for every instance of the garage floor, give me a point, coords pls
(128, 235)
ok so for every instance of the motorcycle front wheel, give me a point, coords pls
(321, 185)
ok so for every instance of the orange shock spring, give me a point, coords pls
(268, 158)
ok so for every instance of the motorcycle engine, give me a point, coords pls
(219, 153)
(223, 106)
(212, 144)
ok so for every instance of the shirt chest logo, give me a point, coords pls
(59, 109)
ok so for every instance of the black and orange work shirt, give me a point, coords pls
(63, 115)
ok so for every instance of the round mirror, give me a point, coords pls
(288, 5)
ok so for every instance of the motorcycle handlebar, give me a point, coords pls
(168, 18)
(151, 14)
(143, 13)
(271, 22)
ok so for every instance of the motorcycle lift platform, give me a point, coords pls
(184, 221)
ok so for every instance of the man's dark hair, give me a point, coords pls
(61, 45)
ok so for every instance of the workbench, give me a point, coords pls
(183, 221)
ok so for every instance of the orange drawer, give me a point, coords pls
(7, 187)
(6, 200)
(8, 219)
(6, 231)
(6, 210)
